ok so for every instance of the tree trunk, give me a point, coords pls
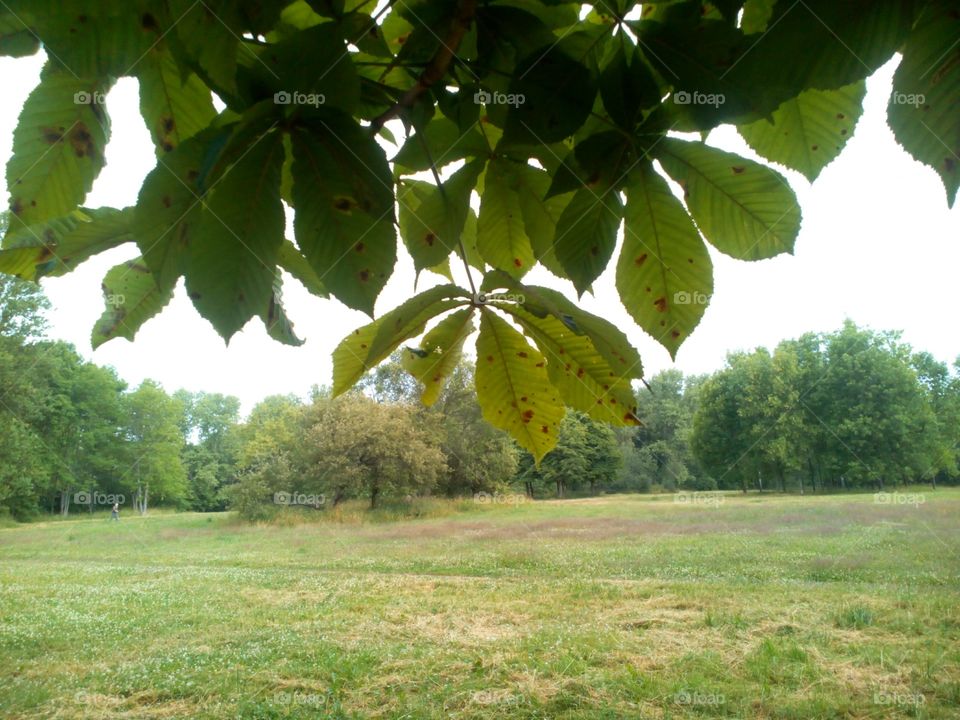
(64, 502)
(374, 494)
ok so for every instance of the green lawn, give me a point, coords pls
(615, 607)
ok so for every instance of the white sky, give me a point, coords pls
(878, 245)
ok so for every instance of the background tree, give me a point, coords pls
(156, 444)
(209, 425)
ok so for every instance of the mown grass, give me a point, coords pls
(614, 607)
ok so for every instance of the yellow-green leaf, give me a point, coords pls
(744, 209)
(577, 369)
(366, 346)
(439, 353)
(58, 148)
(664, 274)
(132, 297)
(808, 132)
(501, 234)
(513, 388)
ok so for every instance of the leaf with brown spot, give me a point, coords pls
(174, 106)
(132, 297)
(333, 161)
(46, 175)
(365, 347)
(439, 353)
(503, 383)
(814, 119)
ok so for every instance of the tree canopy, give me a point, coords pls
(496, 134)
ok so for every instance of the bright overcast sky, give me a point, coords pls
(878, 245)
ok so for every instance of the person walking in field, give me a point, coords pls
(115, 513)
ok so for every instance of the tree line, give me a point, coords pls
(843, 410)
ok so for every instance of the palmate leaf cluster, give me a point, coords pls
(545, 127)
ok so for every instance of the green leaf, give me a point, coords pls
(209, 35)
(540, 215)
(756, 15)
(168, 209)
(924, 106)
(808, 132)
(132, 297)
(16, 39)
(58, 148)
(438, 354)
(470, 242)
(587, 234)
(557, 96)
(744, 209)
(343, 192)
(513, 388)
(233, 256)
(431, 221)
(306, 71)
(606, 337)
(577, 369)
(174, 107)
(664, 274)
(58, 246)
(444, 142)
(501, 233)
(366, 346)
(725, 74)
(95, 39)
(275, 317)
(627, 86)
(293, 261)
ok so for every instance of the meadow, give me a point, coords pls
(637, 606)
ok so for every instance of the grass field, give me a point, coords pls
(614, 607)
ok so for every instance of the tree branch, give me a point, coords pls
(438, 65)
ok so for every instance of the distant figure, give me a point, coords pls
(115, 513)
